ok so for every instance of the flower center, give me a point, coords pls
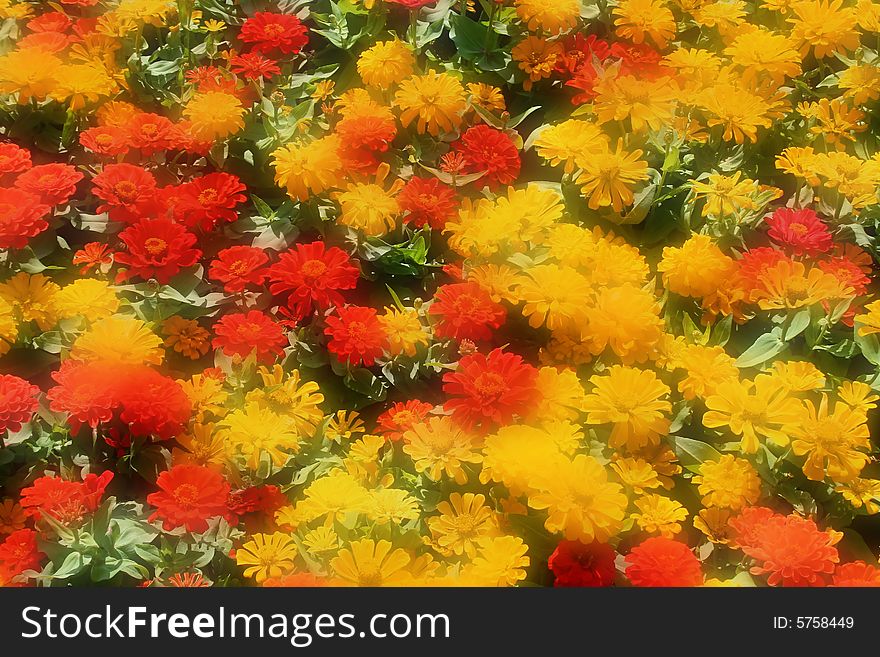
(798, 229)
(186, 495)
(149, 129)
(465, 525)
(155, 246)
(273, 30)
(239, 268)
(126, 191)
(208, 196)
(490, 384)
(370, 577)
(313, 268)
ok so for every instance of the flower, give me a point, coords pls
(128, 192)
(65, 501)
(725, 195)
(214, 115)
(188, 496)
(22, 216)
(485, 149)
(426, 202)
(437, 447)
(659, 514)
(240, 334)
(728, 483)
(696, 269)
(632, 401)
(624, 318)
(463, 520)
(87, 297)
(356, 335)
(554, 296)
(269, 32)
(332, 497)
(536, 58)
(385, 63)
(371, 563)
(266, 555)
(739, 112)
(856, 573)
(869, 322)
(156, 248)
(799, 230)
(401, 417)
(31, 73)
(647, 104)
(436, 101)
(370, 207)
(489, 388)
(308, 168)
(18, 402)
(186, 337)
(404, 331)
(572, 143)
(608, 177)
(638, 19)
(661, 561)
(253, 66)
(789, 284)
(19, 553)
(53, 184)
(551, 16)
(209, 200)
(118, 339)
(824, 26)
(465, 311)
(586, 565)
(239, 267)
(13, 158)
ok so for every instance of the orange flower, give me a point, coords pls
(188, 496)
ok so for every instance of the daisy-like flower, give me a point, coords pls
(372, 563)
(356, 335)
(465, 311)
(608, 177)
(385, 63)
(463, 520)
(267, 555)
(188, 496)
(435, 101)
(240, 334)
(661, 561)
(728, 483)
(438, 447)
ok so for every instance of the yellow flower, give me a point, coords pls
(633, 402)
(12, 516)
(79, 84)
(869, 322)
(385, 63)
(554, 296)
(762, 52)
(706, 368)
(608, 177)
(561, 394)
(119, 339)
(553, 16)
(858, 396)
(212, 25)
(186, 337)
(835, 443)
(788, 285)
(87, 297)
(201, 446)
(836, 121)
(728, 483)
(206, 395)
(215, 115)
(344, 426)
(33, 298)
(254, 430)
(371, 563)
(8, 326)
(856, 179)
(266, 555)
(323, 90)
(392, 505)
(486, 96)
(798, 375)
(309, 168)
(751, 409)
(369, 207)
(571, 143)
(725, 195)
(30, 73)
(659, 514)
(439, 447)
(860, 82)
(739, 111)
(695, 269)
(713, 522)
(860, 493)
(824, 26)
(638, 19)
(332, 497)
(581, 503)
(321, 539)
(463, 520)
(290, 397)
(648, 104)
(518, 456)
(798, 162)
(404, 330)
(724, 15)
(435, 101)
(635, 473)
(625, 318)
(536, 58)
(500, 281)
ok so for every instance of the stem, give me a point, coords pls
(489, 31)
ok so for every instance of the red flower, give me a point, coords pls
(22, 216)
(18, 553)
(128, 192)
(661, 561)
(745, 526)
(427, 201)
(239, 334)
(54, 184)
(93, 255)
(792, 550)
(639, 60)
(494, 387)
(800, 230)
(157, 248)
(105, 140)
(253, 66)
(52, 21)
(584, 79)
(465, 311)
(579, 51)
(577, 564)
(209, 200)
(85, 391)
(401, 417)
(152, 404)
(238, 267)
(268, 32)
(490, 150)
(362, 136)
(847, 272)
(68, 502)
(13, 159)
(18, 402)
(188, 496)
(755, 263)
(313, 275)
(150, 133)
(857, 573)
(257, 499)
(356, 336)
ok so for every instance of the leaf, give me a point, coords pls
(692, 451)
(797, 324)
(469, 36)
(72, 564)
(868, 344)
(764, 348)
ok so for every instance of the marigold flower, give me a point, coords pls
(437, 447)
(87, 297)
(856, 573)
(18, 553)
(308, 168)
(536, 58)
(697, 268)
(638, 19)
(553, 16)
(501, 561)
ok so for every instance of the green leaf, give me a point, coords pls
(764, 348)
(468, 36)
(693, 452)
(797, 324)
(869, 345)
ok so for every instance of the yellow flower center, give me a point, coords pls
(155, 246)
(208, 196)
(186, 495)
(126, 190)
(313, 268)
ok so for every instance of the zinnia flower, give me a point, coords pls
(485, 149)
(188, 496)
(578, 564)
(801, 231)
(662, 561)
(22, 216)
(239, 267)
(435, 101)
(157, 248)
(266, 555)
(54, 184)
(18, 402)
(208, 201)
(269, 32)
(465, 311)
(214, 115)
(128, 192)
(427, 202)
(356, 335)
(240, 334)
